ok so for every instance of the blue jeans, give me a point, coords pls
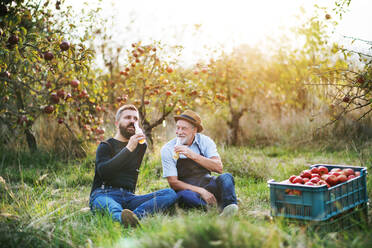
(222, 187)
(114, 200)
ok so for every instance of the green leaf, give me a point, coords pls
(23, 31)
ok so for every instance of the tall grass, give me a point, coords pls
(44, 203)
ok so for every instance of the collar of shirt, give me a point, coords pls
(196, 140)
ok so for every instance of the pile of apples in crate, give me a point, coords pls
(321, 176)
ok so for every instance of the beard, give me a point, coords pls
(183, 140)
(125, 132)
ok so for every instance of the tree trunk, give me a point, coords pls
(148, 132)
(30, 138)
(31, 141)
(149, 138)
(234, 127)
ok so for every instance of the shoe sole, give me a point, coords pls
(128, 218)
(230, 210)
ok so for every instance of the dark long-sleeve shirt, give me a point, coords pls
(116, 166)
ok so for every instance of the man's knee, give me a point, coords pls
(186, 194)
(190, 199)
(225, 177)
(105, 203)
(169, 192)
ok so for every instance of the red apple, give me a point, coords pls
(315, 180)
(305, 179)
(64, 46)
(314, 170)
(298, 180)
(346, 99)
(54, 98)
(322, 170)
(61, 93)
(60, 120)
(296, 192)
(315, 175)
(48, 109)
(327, 16)
(332, 180)
(324, 177)
(335, 173)
(169, 70)
(351, 177)
(357, 173)
(336, 170)
(84, 92)
(75, 83)
(348, 171)
(291, 178)
(13, 39)
(168, 93)
(100, 131)
(309, 184)
(360, 79)
(341, 178)
(306, 174)
(322, 182)
(48, 56)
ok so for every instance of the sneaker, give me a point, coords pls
(128, 218)
(229, 210)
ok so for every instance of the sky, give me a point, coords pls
(198, 24)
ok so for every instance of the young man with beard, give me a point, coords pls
(117, 167)
(188, 161)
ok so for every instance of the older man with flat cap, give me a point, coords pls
(188, 161)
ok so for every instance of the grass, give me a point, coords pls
(44, 203)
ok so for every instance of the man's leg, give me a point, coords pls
(190, 199)
(226, 188)
(108, 201)
(158, 201)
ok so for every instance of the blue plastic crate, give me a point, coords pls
(318, 203)
(354, 218)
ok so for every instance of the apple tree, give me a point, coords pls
(154, 84)
(45, 70)
(235, 81)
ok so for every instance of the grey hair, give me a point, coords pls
(123, 108)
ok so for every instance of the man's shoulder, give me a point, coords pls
(202, 138)
(168, 146)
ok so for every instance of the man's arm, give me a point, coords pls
(213, 164)
(170, 172)
(107, 166)
(176, 184)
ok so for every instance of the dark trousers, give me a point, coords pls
(222, 187)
